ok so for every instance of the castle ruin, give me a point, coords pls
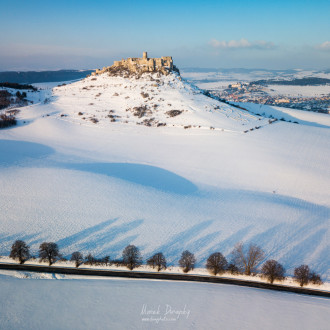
(140, 65)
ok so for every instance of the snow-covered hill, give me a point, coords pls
(150, 100)
(97, 185)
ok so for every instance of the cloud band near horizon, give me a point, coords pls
(242, 44)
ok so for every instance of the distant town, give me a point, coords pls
(254, 92)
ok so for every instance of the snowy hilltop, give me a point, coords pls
(151, 99)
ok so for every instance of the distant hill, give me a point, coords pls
(308, 81)
(30, 77)
(235, 70)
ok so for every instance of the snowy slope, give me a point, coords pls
(308, 118)
(99, 187)
(140, 304)
(150, 100)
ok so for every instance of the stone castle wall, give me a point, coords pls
(143, 64)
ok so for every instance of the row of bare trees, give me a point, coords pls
(244, 260)
(47, 252)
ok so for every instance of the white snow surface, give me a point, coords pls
(70, 302)
(308, 118)
(291, 90)
(99, 187)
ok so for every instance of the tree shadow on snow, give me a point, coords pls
(99, 239)
(6, 241)
(102, 239)
(84, 234)
(180, 242)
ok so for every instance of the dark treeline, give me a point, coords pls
(7, 121)
(244, 259)
(308, 81)
(31, 77)
(7, 117)
(17, 86)
(4, 99)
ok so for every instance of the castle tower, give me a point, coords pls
(145, 55)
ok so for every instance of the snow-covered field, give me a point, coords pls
(293, 91)
(70, 302)
(307, 118)
(248, 75)
(97, 187)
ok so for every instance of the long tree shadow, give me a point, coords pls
(7, 241)
(228, 244)
(300, 252)
(293, 232)
(19, 236)
(265, 237)
(115, 250)
(103, 239)
(179, 242)
(323, 261)
(72, 239)
(201, 245)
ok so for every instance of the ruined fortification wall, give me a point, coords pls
(140, 65)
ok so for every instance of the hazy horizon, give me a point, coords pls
(184, 68)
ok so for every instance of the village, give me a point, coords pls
(255, 93)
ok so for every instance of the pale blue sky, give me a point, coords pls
(89, 34)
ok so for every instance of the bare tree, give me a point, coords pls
(187, 261)
(273, 270)
(118, 262)
(90, 259)
(216, 263)
(49, 251)
(132, 257)
(315, 278)
(78, 258)
(20, 250)
(233, 269)
(247, 259)
(302, 274)
(106, 260)
(157, 260)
